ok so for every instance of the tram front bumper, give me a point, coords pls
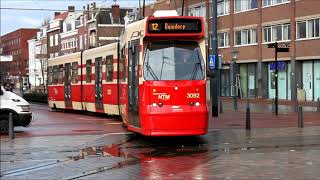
(176, 125)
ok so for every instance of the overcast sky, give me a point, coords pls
(15, 19)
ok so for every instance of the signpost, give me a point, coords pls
(277, 48)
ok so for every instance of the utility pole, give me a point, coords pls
(214, 78)
(182, 8)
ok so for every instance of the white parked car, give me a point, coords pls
(20, 109)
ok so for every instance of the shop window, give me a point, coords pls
(109, 68)
(88, 71)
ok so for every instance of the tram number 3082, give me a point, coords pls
(193, 95)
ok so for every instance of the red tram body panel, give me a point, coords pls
(154, 78)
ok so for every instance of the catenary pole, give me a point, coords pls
(214, 78)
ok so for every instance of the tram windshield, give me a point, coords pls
(173, 60)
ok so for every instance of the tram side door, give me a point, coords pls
(133, 83)
(98, 83)
(67, 86)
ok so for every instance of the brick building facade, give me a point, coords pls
(248, 26)
(15, 44)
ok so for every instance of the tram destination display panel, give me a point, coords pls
(174, 26)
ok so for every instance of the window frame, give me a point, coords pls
(271, 31)
(242, 3)
(226, 39)
(109, 68)
(88, 68)
(74, 72)
(274, 4)
(307, 28)
(249, 31)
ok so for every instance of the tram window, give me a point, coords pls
(173, 60)
(109, 68)
(60, 74)
(122, 69)
(88, 71)
(55, 75)
(74, 72)
(50, 75)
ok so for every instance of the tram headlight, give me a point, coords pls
(197, 104)
(160, 104)
(154, 104)
(191, 103)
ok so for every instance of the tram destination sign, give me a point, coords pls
(174, 26)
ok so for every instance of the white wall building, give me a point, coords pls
(34, 65)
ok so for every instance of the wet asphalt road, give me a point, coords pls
(114, 153)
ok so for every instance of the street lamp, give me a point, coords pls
(234, 53)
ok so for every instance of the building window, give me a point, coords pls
(275, 33)
(88, 71)
(308, 29)
(81, 43)
(273, 2)
(56, 40)
(74, 72)
(223, 39)
(198, 11)
(51, 41)
(109, 68)
(245, 37)
(223, 8)
(244, 5)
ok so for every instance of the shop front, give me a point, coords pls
(284, 80)
(311, 79)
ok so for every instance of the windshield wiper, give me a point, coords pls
(152, 72)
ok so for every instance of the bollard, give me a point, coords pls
(318, 106)
(235, 103)
(248, 120)
(300, 117)
(221, 108)
(273, 108)
(11, 127)
(296, 104)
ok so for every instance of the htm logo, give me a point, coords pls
(164, 96)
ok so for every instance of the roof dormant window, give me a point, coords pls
(280, 32)
(245, 37)
(308, 29)
(273, 2)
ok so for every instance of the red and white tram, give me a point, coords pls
(154, 78)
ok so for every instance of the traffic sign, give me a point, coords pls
(212, 62)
